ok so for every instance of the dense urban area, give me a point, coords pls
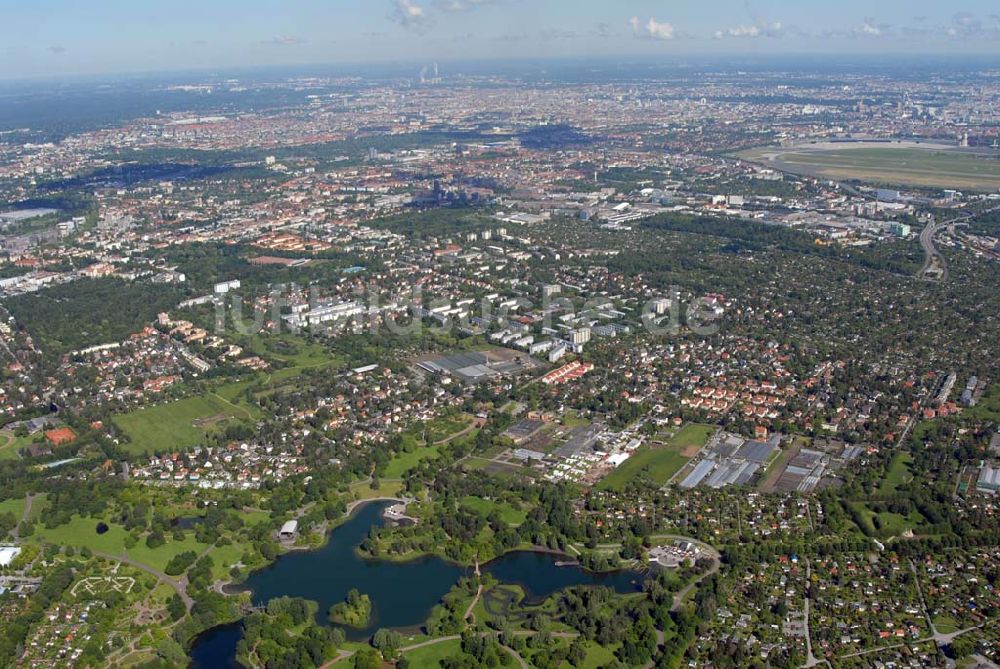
(692, 368)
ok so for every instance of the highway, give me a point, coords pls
(935, 266)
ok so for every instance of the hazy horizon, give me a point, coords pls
(60, 38)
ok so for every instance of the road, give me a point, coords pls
(682, 596)
(811, 660)
(178, 586)
(935, 266)
(934, 259)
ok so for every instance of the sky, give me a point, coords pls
(57, 38)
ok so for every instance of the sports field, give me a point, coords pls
(905, 164)
(177, 425)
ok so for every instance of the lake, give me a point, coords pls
(402, 593)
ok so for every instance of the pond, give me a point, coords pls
(402, 593)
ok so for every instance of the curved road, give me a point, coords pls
(178, 586)
(933, 256)
(933, 260)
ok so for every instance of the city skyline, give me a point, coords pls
(57, 38)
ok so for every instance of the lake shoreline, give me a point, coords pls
(326, 573)
(233, 588)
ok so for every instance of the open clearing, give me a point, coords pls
(484, 507)
(898, 474)
(82, 532)
(8, 446)
(404, 462)
(176, 425)
(416, 448)
(660, 462)
(906, 164)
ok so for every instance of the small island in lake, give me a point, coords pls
(355, 611)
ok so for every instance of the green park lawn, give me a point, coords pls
(292, 353)
(363, 490)
(431, 656)
(82, 532)
(988, 407)
(10, 444)
(223, 559)
(177, 425)
(416, 439)
(597, 656)
(13, 506)
(484, 507)
(404, 462)
(16, 506)
(898, 473)
(890, 524)
(945, 624)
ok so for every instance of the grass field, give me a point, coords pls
(431, 656)
(415, 441)
(891, 164)
(363, 490)
(692, 434)
(445, 427)
(890, 524)
(597, 656)
(294, 353)
(10, 444)
(404, 462)
(13, 506)
(988, 407)
(177, 425)
(80, 532)
(484, 507)
(945, 624)
(660, 463)
(898, 474)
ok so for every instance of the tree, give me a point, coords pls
(155, 539)
(171, 652)
(176, 608)
(962, 647)
(387, 642)
(577, 653)
(367, 658)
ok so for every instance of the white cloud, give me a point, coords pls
(750, 31)
(652, 29)
(871, 29)
(408, 13)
